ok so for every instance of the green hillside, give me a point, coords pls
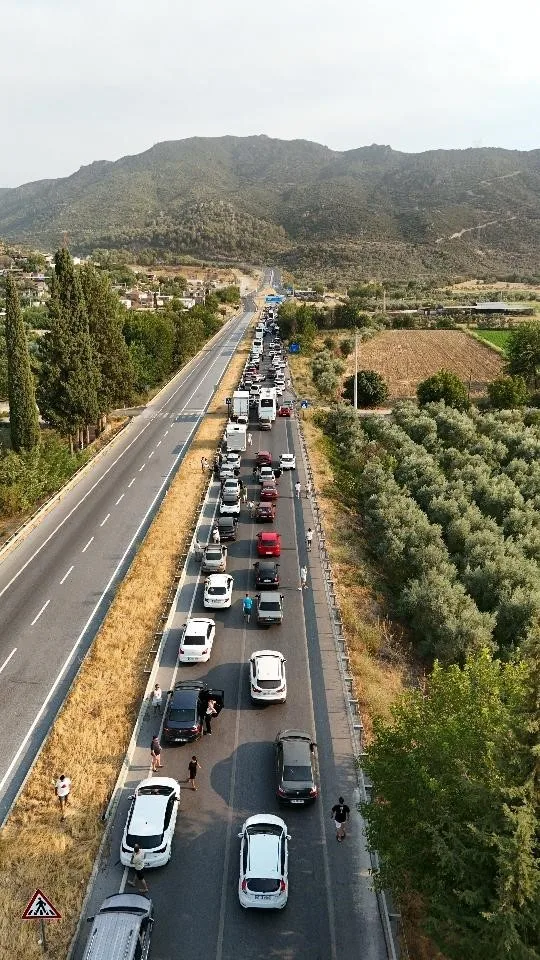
(370, 211)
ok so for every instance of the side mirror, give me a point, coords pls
(288, 836)
(89, 919)
(240, 835)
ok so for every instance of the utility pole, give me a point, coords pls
(384, 301)
(355, 369)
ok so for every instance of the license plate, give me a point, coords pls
(260, 897)
(297, 801)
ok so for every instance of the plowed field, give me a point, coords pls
(406, 357)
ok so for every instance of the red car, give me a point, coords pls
(268, 490)
(285, 410)
(264, 458)
(265, 511)
(268, 544)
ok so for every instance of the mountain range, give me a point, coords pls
(368, 212)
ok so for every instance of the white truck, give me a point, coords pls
(236, 437)
(267, 408)
(240, 406)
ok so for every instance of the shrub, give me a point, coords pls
(372, 388)
(506, 393)
(445, 386)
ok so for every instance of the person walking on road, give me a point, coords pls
(157, 698)
(297, 489)
(249, 440)
(62, 788)
(193, 766)
(251, 508)
(303, 578)
(244, 494)
(247, 607)
(137, 862)
(340, 815)
(210, 712)
(309, 539)
(155, 754)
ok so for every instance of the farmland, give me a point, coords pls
(406, 357)
(497, 338)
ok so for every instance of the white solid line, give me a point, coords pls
(121, 497)
(84, 549)
(131, 482)
(103, 522)
(6, 661)
(44, 607)
(142, 468)
(66, 575)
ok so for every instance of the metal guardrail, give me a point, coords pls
(355, 721)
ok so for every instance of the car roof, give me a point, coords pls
(226, 522)
(267, 564)
(271, 596)
(268, 664)
(297, 752)
(148, 815)
(264, 856)
(198, 626)
(215, 547)
(268, 535)
(218, 580)
(285, 455)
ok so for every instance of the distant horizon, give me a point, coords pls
(248, 136)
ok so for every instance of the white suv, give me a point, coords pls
(267, 676)
(264, 863)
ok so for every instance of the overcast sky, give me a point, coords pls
(96, 81)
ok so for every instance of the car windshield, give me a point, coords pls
(216, 591)
(182, 715)
(160, 791)
(268, 684)
(269, 605)
(193, 640)
(213, 554)
(296, 773)
(145, 843)
(262, 885)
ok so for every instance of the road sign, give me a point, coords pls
(294, 348)
(39, 907)
(304, 404)
(274, 299)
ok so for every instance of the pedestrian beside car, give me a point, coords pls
(157, 699)
(255, 472)
(340, 815)
(251, 508)
(155, 754)
(193, 766)
(215, 535)
(210, 712)
(249, 440)
(137, 862)
(244, 494)
(62, 788)
(303, 578)
(298, 489)
(309, 539)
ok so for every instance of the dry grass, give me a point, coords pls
(35, 848)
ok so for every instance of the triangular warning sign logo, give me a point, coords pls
(39, 907)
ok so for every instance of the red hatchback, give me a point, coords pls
(268, 544)
(268, 490)
(285, 410)
(264, 458)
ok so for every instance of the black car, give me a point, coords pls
(227, 528)
(185, 709)
(266, 574)
(296, 768)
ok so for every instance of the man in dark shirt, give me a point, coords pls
(340, 815)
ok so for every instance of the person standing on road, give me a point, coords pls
(309, 539)
(340, 815)
(303, 578)
(155, 754)
(157, 698)
(210, 712)
(137, 862)
(251, 508)
(249, 439)
(247, 607)
(215, 535)
(62, 788)
(297, 488)
(244, 494)
(193, 766)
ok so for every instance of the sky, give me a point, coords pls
(83, 82)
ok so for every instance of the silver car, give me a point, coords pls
(214, 558)
(230, 491)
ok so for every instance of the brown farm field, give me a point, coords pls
(406, 357)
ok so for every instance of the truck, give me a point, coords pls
(267, 409)
(236, 437)
(240, 406)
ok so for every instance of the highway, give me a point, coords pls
(57, 584)
(332, 913)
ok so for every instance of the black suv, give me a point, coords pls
(185, 709)
(296, 768)
(227, 527)
(267, 574)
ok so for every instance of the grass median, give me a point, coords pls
(89, 738)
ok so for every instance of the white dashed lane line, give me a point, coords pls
(131, 482)
(165, 434)
(151, 454)
(103, 522)
(66, 575)
(44, 607)
(84, 549)
(6, 661)
(158, 443)
(121, 497)
(142, 468)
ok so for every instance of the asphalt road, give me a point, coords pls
(57, 584)
(332, 912)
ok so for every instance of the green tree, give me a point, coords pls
(109, 347)
(523, 353)
(372, 388)
(346, 347)
(446, 386)
(23, 414)
(455, 818)
(506, 393)
(151, 340)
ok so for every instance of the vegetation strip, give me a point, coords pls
(90, 736)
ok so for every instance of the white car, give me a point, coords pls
(233, 459)
(267, 679)
(266, 473)
(197, 637)
(264, 863)
(150, 821)
(218, 590)
(230, 491)
(229, 509)
(287, 461)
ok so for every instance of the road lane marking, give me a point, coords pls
(66, 575)
(6, 661)
(121, 497)
(165, 434)
(142, 468)
(103, 522)
(132, 482)
(151, 454)
(44, 607)
(158, 443)
(84, 549)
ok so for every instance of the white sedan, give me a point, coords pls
(267, 679)
(264, 863)
(266, 473)
(287, 461)
(197, 638)
(218, 590)
(229, 509)
(150, 821)
(233, 460)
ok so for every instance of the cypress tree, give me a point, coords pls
(23, 414)
(69, 377)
